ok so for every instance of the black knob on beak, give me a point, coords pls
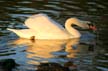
(92, 27)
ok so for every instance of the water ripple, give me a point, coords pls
(89, 55)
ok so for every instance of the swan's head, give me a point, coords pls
(80, 23)
(88, 25)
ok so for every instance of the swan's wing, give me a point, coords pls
(41, 23)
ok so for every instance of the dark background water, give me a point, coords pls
(14, 13)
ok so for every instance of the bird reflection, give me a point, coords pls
(71, 48)
(42, 50)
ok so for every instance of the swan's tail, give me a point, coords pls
(13, 30)
(10, 29)
(17, 32)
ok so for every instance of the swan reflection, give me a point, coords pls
(47, 50)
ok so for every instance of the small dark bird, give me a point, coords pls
(7, 65)
(51, 67)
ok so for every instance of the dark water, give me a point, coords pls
(89, 53)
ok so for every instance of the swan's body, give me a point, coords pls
(43, 27)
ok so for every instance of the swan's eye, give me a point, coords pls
(89, 24)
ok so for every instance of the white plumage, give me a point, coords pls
(43, 27)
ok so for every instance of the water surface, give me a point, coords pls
(89, 53)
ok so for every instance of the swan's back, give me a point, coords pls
(45, 26)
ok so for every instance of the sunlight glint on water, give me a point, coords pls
(87, 53)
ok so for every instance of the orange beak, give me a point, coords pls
(92, 27)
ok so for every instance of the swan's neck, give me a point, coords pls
(70, 29)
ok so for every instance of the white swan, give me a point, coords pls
(43, 27)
